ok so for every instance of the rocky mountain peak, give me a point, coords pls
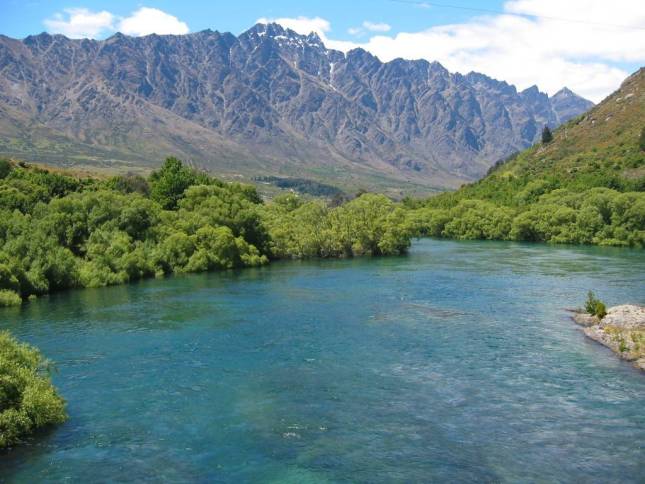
(567, 104)
(531, 90)
(483, 82)
(264, 29)
(533, 93)
(284, 38)
(564, 92)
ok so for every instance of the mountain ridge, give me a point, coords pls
(269, 101)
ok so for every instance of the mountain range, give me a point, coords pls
(267, 102)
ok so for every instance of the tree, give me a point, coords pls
(547, 136)
(5, 167)
(595, 306)
(641, 141)
(170, 182)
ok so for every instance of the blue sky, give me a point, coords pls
(22, 18)
(588, 45)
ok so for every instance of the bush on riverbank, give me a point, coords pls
(595, 306)
(9, 298)
(599, 216)
(368, 225)
(59, 232)
(28, 400)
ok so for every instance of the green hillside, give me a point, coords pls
(585, 186)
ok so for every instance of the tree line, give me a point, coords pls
(59, 231)
(600, 216)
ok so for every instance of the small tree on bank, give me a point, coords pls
(595, 306)
(547, 136)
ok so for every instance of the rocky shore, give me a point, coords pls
(622, 330)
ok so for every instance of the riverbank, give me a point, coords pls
(622, 330)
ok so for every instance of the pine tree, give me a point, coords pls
(547, 136)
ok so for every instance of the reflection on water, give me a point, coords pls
(455, 363)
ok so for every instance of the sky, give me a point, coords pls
(589, 46)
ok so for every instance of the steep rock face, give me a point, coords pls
(268, 100)
(568, 104)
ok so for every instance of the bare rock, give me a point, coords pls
(585, 319)
(640, 363)
(627, 316)
(622, 330)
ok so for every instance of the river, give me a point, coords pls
(455, 363)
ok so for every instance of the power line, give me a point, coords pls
(523, 15)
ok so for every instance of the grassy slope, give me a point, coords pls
(599, 148)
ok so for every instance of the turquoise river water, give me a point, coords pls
(456, 363)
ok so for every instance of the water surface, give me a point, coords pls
(455, 363)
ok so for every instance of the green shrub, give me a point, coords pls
(622, 346)
(595, 306)
(537, 213)
(9, 298)
(368, 225)
(8, 280)
(28, 400)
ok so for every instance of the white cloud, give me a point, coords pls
(83, 23)
(584, 55)
(301, 25)
(624, 13)
(368, 26)
(376, 26)
(79, 23)
(147, 21)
